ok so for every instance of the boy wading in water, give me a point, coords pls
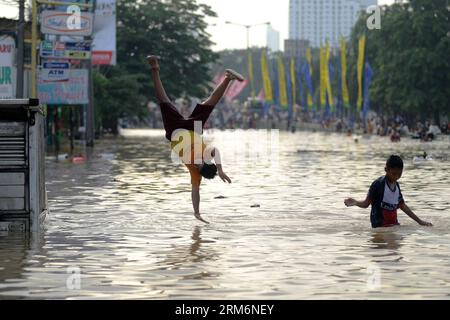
(385, 197)
(185, 135)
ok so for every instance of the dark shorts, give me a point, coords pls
(173, 120)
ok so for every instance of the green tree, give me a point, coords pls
(409, 55)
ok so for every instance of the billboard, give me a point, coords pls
(7, 69)
(104, 43)
(66, 23)
(65, 50)
(55, 71)
(72, 91)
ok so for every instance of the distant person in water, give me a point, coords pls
(185, 135)
(386, 197)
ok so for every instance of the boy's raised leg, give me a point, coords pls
(160, 92)
(219, 91)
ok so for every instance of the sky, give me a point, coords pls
(248, 12)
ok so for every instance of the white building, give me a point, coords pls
(321, 20)
(273, 39)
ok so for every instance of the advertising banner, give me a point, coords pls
(72, 91)
(66, 23)
(66, 50)
(7, 69)
(104, 44)
(55, 71)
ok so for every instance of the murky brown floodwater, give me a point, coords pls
(124, 218)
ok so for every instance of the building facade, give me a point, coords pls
(324, 20)
(273, 39)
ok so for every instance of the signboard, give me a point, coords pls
(104, 43)
(64, 23)
(66, 50)
(73, 91)
(7, 69)
(55, 71)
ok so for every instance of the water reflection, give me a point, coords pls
(190, 257)
(124, 217)
(386, 240)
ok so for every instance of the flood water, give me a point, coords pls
(123, 221)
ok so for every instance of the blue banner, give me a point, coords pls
(289, 90)
(301, 100)
(307, 77)
(368, 75)
(276, 87)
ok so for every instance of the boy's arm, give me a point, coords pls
(411, 214)
(216, 154)
(196, 198)
(350, 202)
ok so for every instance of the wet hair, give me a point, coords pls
(394, 162)
(208, 171)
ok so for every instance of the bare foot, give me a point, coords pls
(198, 217)
(153, 61)
(233, 75)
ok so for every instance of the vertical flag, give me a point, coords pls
(368, 74)
(322, 88)
(301, 100)
(293, 82)
(282, 83)
(331, 100)
(250, 72)
(345, 96)
(310, 71)
(276, 88)
(289, 90)
(361, 48)
(266, 78)
(327, 77)
(308, 82)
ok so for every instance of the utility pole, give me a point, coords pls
(90, 121)
(90, 126)
(20, 49)
(249, 52)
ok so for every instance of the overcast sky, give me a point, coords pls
(238, 11)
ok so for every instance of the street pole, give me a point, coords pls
(90, 121)
(33, 47)
(249, 53)
(90, 127)
(20, 49)
(250, 63)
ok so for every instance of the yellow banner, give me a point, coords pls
(345, 96)
(322, 76)
(282, 83)
(327, 78)
(266, 78)
(308, 58)
(250, 72)
(361, 48)
(293, 82)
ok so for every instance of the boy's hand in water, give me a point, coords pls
(426, 224)
(198, 217)
(350, 202)
(224, 177)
